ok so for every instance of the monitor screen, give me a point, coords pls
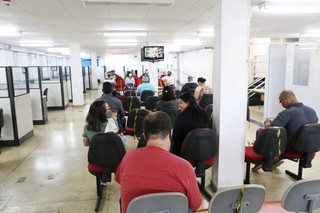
(153, 52)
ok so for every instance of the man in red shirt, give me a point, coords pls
(154, 169)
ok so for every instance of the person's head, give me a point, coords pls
(129, 74)
(287, 98)
(169, 73)
(107, 87)
(190, 79)
(146, 71)
(201, 81)
(97, 114)
(157, 125)
(145, 79)
(113, 113)
(187, 99)
(168, 93)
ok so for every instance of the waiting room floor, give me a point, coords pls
(48, 173)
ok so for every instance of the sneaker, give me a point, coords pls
(256, 167)
(277, 163)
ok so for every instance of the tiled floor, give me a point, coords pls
(48, 172)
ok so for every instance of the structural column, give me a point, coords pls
(230, 80)
(76, 74)
(94, 70)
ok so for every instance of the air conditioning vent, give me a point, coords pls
(165, 3)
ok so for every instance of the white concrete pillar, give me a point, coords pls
(76, 73)
(94, 70)
(230, 81)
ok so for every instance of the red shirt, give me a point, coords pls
(152, 170)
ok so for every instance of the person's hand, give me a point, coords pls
(267, 122)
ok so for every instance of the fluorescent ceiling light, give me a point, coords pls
(290, 7)
(10, 33)
(129, 2)
(122, 41)
(187, 42)
(124, 34)
(65, 50)
(310, 35)
(121, 44)
(38, 44)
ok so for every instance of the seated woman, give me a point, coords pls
(191, 117)
(201, 89)
(96, 121)
(168, 100)
(129, 81)
(114, 124)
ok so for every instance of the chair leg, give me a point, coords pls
(203, 189)
(247, 180)
(296, 176)
(99, 193)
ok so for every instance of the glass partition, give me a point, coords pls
(3, 83)
(19, 79)
(33, 73)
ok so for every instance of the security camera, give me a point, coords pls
(6, 2)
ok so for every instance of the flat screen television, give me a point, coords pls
(153, 53)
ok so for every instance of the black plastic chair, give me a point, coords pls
(105, 153)
(269, 145)
(205, 100)
(142, 141)
(144, 95)
(128, 93)
(304, 144)
(209, 113)
(131, 102)
(199, 148)
(151, 103)
(177, 92)
(134, 125)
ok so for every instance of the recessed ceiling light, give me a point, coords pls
(115, 34)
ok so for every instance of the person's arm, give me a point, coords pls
(193, 192)
(196, 94)
(86, 141)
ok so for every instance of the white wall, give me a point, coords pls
(196, 63)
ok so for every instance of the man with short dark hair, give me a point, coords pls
(112, 101)
(153, 169)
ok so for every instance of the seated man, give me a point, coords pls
(294, 116)
(190, 86)
(154, 169)
(144, 86)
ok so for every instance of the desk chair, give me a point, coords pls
(128, 93)
(301, 196)
(269, 145)
(242, 199)
(173, 114)
(167, 202)
(305, 143)
(199, 148)
(105, 153)
(45, 93)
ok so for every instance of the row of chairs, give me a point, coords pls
(270, 146)
(301, 196)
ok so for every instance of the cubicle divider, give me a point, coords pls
(87, 78)
(38, 98)
(67, 72)
(52, 78)
(16, 103)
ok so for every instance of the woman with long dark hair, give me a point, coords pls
(191, 117)
(96, 121)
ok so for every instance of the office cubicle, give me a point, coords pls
(38, 98)
(87, 78)
(16, 104)
(67, 74)
(52, 77)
